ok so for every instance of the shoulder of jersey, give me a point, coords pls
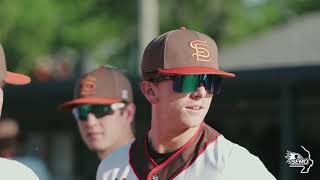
(242, 164)
(15, 170)
(121, 155)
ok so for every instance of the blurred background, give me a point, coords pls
(272, 45)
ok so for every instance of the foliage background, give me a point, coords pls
(31, 31)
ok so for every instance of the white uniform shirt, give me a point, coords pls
(13, 170)
(207, 155)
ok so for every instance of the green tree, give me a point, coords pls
(35, 28)
(107, 29)
(27, 30)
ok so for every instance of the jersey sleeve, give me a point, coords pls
(241, 164)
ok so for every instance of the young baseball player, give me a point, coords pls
(180, 76)
(104, 110)
(10, 169)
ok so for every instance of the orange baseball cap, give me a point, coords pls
(104, 85)
(10, 77)
(180, 52)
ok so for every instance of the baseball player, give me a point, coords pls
(104, 110)
(180, 76)
(10, 169)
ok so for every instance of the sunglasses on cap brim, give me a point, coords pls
(98, 110)
(190, 83)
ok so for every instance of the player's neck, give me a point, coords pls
(120, 142)
(167, 140)
(103, 154)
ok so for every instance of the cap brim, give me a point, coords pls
(88, 100)
(16, 78)
(195, 70)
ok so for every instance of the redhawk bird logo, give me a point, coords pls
(297, 160)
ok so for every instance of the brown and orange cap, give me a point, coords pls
(104, 85)
(182, 51)
(10, 77)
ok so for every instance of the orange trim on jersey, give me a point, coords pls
(201, 151)
(166, 162)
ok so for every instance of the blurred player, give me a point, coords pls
(180, 76)
(104, 110)
(10, 169)
(11, 147)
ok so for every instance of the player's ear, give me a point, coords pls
(130, 111)
(149, 90)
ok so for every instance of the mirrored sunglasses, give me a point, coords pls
(98, 110)
(190, 83)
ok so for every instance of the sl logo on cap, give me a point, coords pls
(88, 85)
(201, 50)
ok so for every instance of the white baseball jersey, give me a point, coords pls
(207, 155)
(13, 170)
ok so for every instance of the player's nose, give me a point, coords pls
(200, 92)
(91, 119)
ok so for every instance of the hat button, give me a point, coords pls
(183, 28)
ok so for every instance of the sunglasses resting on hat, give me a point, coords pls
(98, 110)
(190, 83)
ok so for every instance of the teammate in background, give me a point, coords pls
(10, 169)
(180, 76)
(104, 110)
(8, 137)
(10, 148)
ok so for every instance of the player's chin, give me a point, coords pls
(94, 143)
(195, 116)
(95, 147)
(192, 122)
